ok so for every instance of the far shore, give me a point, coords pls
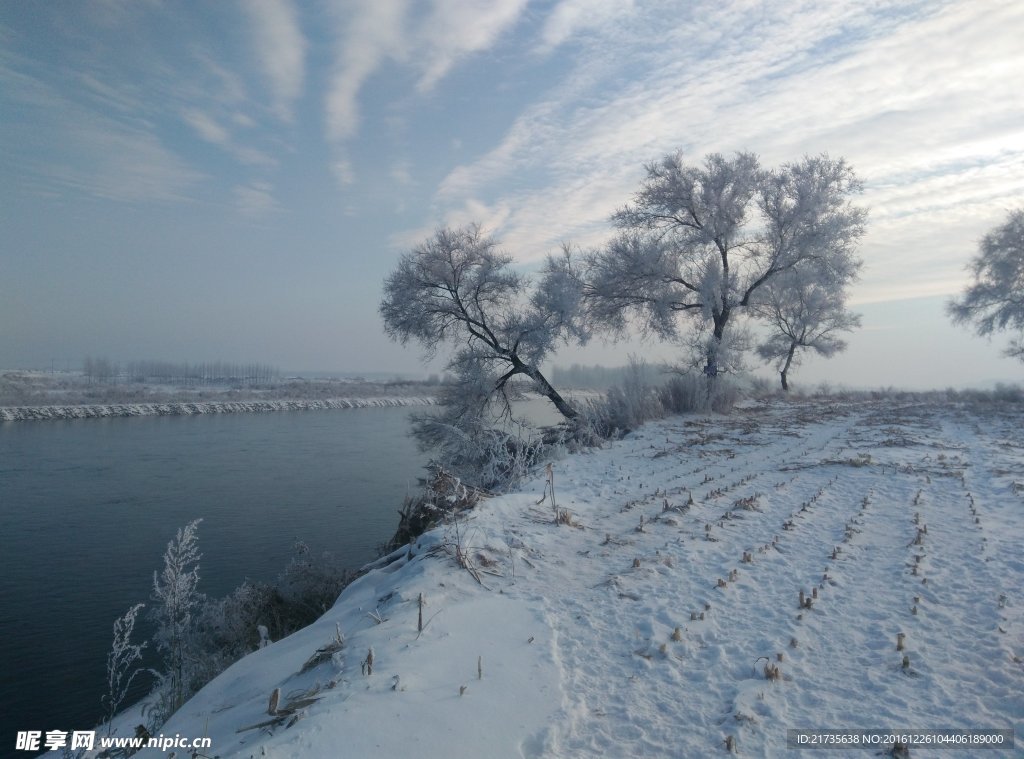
(99, 411)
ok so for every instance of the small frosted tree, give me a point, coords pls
(995, 299)
(176, 600)
(804, 310)
(458, 289)
(701, 241)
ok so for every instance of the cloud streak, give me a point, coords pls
(455, 29)
(371, 33)
(280, 48)
(920, 98)
(367, 34)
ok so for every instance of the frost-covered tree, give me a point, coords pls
(995, 300)
(803, 311)
(176, 600)
(458, 289)
(700, 241)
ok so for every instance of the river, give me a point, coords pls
(87, 508)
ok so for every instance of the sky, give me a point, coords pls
(234, 180)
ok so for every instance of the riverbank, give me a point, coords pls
(96, 411)
(39, 396)
(713, 582)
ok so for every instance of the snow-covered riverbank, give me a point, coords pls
(93, 411)
(666, 620)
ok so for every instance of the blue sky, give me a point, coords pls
(233, 180)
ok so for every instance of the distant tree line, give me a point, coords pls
(597, 377)
(103, 370)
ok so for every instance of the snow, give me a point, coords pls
(92, 411)
(574, 626)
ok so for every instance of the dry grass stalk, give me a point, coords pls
(326, 652)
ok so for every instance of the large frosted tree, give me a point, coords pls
(994, 301)
(700, 241)
(458, 289)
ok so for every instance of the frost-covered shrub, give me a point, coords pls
(443, 496)
(123, 664)
(724, 395)
(1008, 393)
(309, 586)
(684, 394)
(176, 600)
(473, 434)
(482, 454)
(761, 387)
(227, 627)
(625, 406)
(199, 638)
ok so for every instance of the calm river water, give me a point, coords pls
(87, 508)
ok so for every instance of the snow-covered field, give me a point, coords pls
(646, 627)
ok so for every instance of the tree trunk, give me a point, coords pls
(711, 365)
(549, 392)
(785, 369)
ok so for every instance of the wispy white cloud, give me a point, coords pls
(570, 17)
(87, 151)
(281, 48)
(256, 199)
(920, 98)
(206, 127)
(367, 33)
(344, 173)
(457, 28)
(370, 33)
(212, 131)
(400, 173)
(107, 160)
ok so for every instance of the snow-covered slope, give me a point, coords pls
(645, 628)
